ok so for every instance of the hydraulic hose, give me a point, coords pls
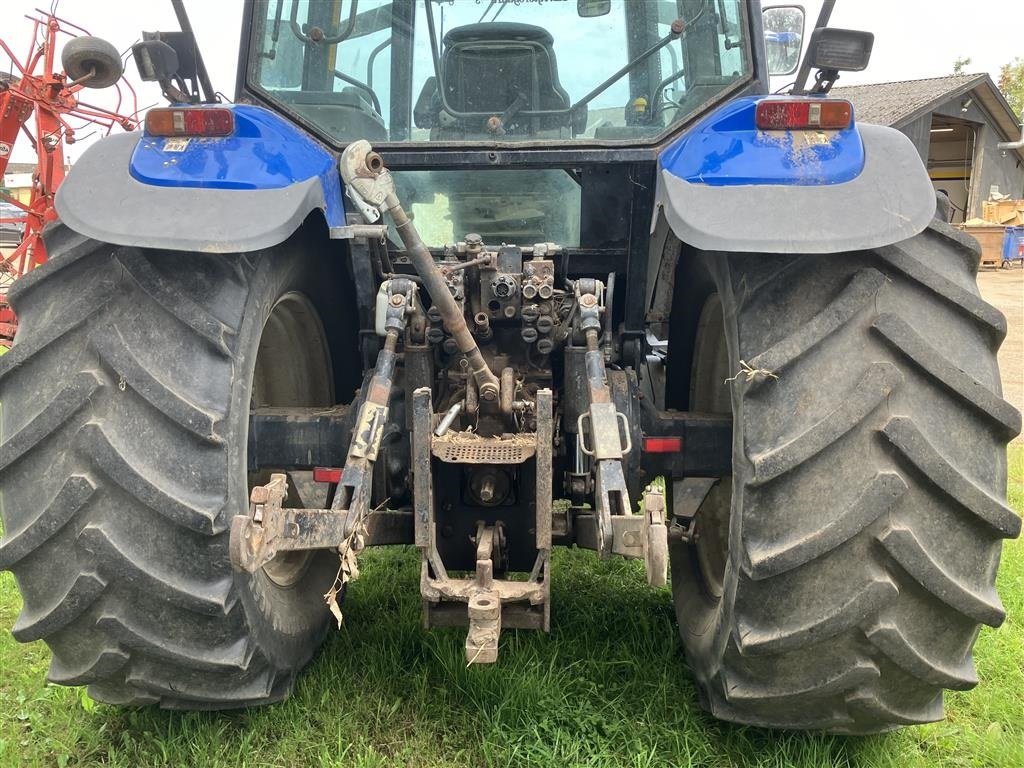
(364, 173)
(436, 286)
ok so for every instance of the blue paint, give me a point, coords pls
(264, 152)
(782, 37)
(726, 149)
(1013, 245)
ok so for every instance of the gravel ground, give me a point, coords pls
(1005, 289)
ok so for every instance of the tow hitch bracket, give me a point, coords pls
(270, 528)
(491, 603)
(642, 537)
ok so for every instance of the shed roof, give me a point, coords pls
(899, 103)
(20, 168)
(905, 100)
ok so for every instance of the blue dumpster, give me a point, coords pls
(1013, 246)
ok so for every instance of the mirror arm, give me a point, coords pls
(209, 96)
(824, 79)
(173, 93)
(805, 65)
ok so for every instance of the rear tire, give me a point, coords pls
(839, 580)
(123, 459)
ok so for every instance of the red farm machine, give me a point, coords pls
(41, 103)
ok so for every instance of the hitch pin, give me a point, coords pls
(449, 417)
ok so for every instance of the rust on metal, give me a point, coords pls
(270, 528)
(488, 603)
(655, 540)
(471, 448)
(545, 472)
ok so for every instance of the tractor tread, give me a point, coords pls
(277, 692)
(201, 596)
(231, 656)
(64, 247)
(188, 510)
(859, 293)
(73, 317)
(153, 680)
(871, 708)
(63, 608)
(69, 401)
(873, 388)
(888, 638)
(912, 444)
(967, 247)
(72, 496)
(871, 511)
(122, 361)
(907, 550)
(970, 304)
(137, 266)
(119, 695)
(738, 690)
(115, 470)
(756, 641)
(877, 497)
(932, 362)
(104, 665)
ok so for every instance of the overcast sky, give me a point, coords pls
(913, 38)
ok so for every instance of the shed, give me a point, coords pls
(955, 122)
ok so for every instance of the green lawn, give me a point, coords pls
(608, 686)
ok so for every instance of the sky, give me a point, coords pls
(913, 38)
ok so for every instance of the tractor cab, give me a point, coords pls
(520, 122)
(458, 72)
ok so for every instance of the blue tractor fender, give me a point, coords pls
(727, 186)
(242, 192)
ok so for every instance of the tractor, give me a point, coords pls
(490, 278)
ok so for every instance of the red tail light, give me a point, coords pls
(795, 115)
(326, 475)
(190, 121)
(663, 444)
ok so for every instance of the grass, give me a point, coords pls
(607, 687)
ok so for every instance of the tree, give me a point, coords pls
(1011, 83)
(960, 64)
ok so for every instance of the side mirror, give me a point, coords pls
(783, 37)
(155, 60)
(840, 50)
(590, 8)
